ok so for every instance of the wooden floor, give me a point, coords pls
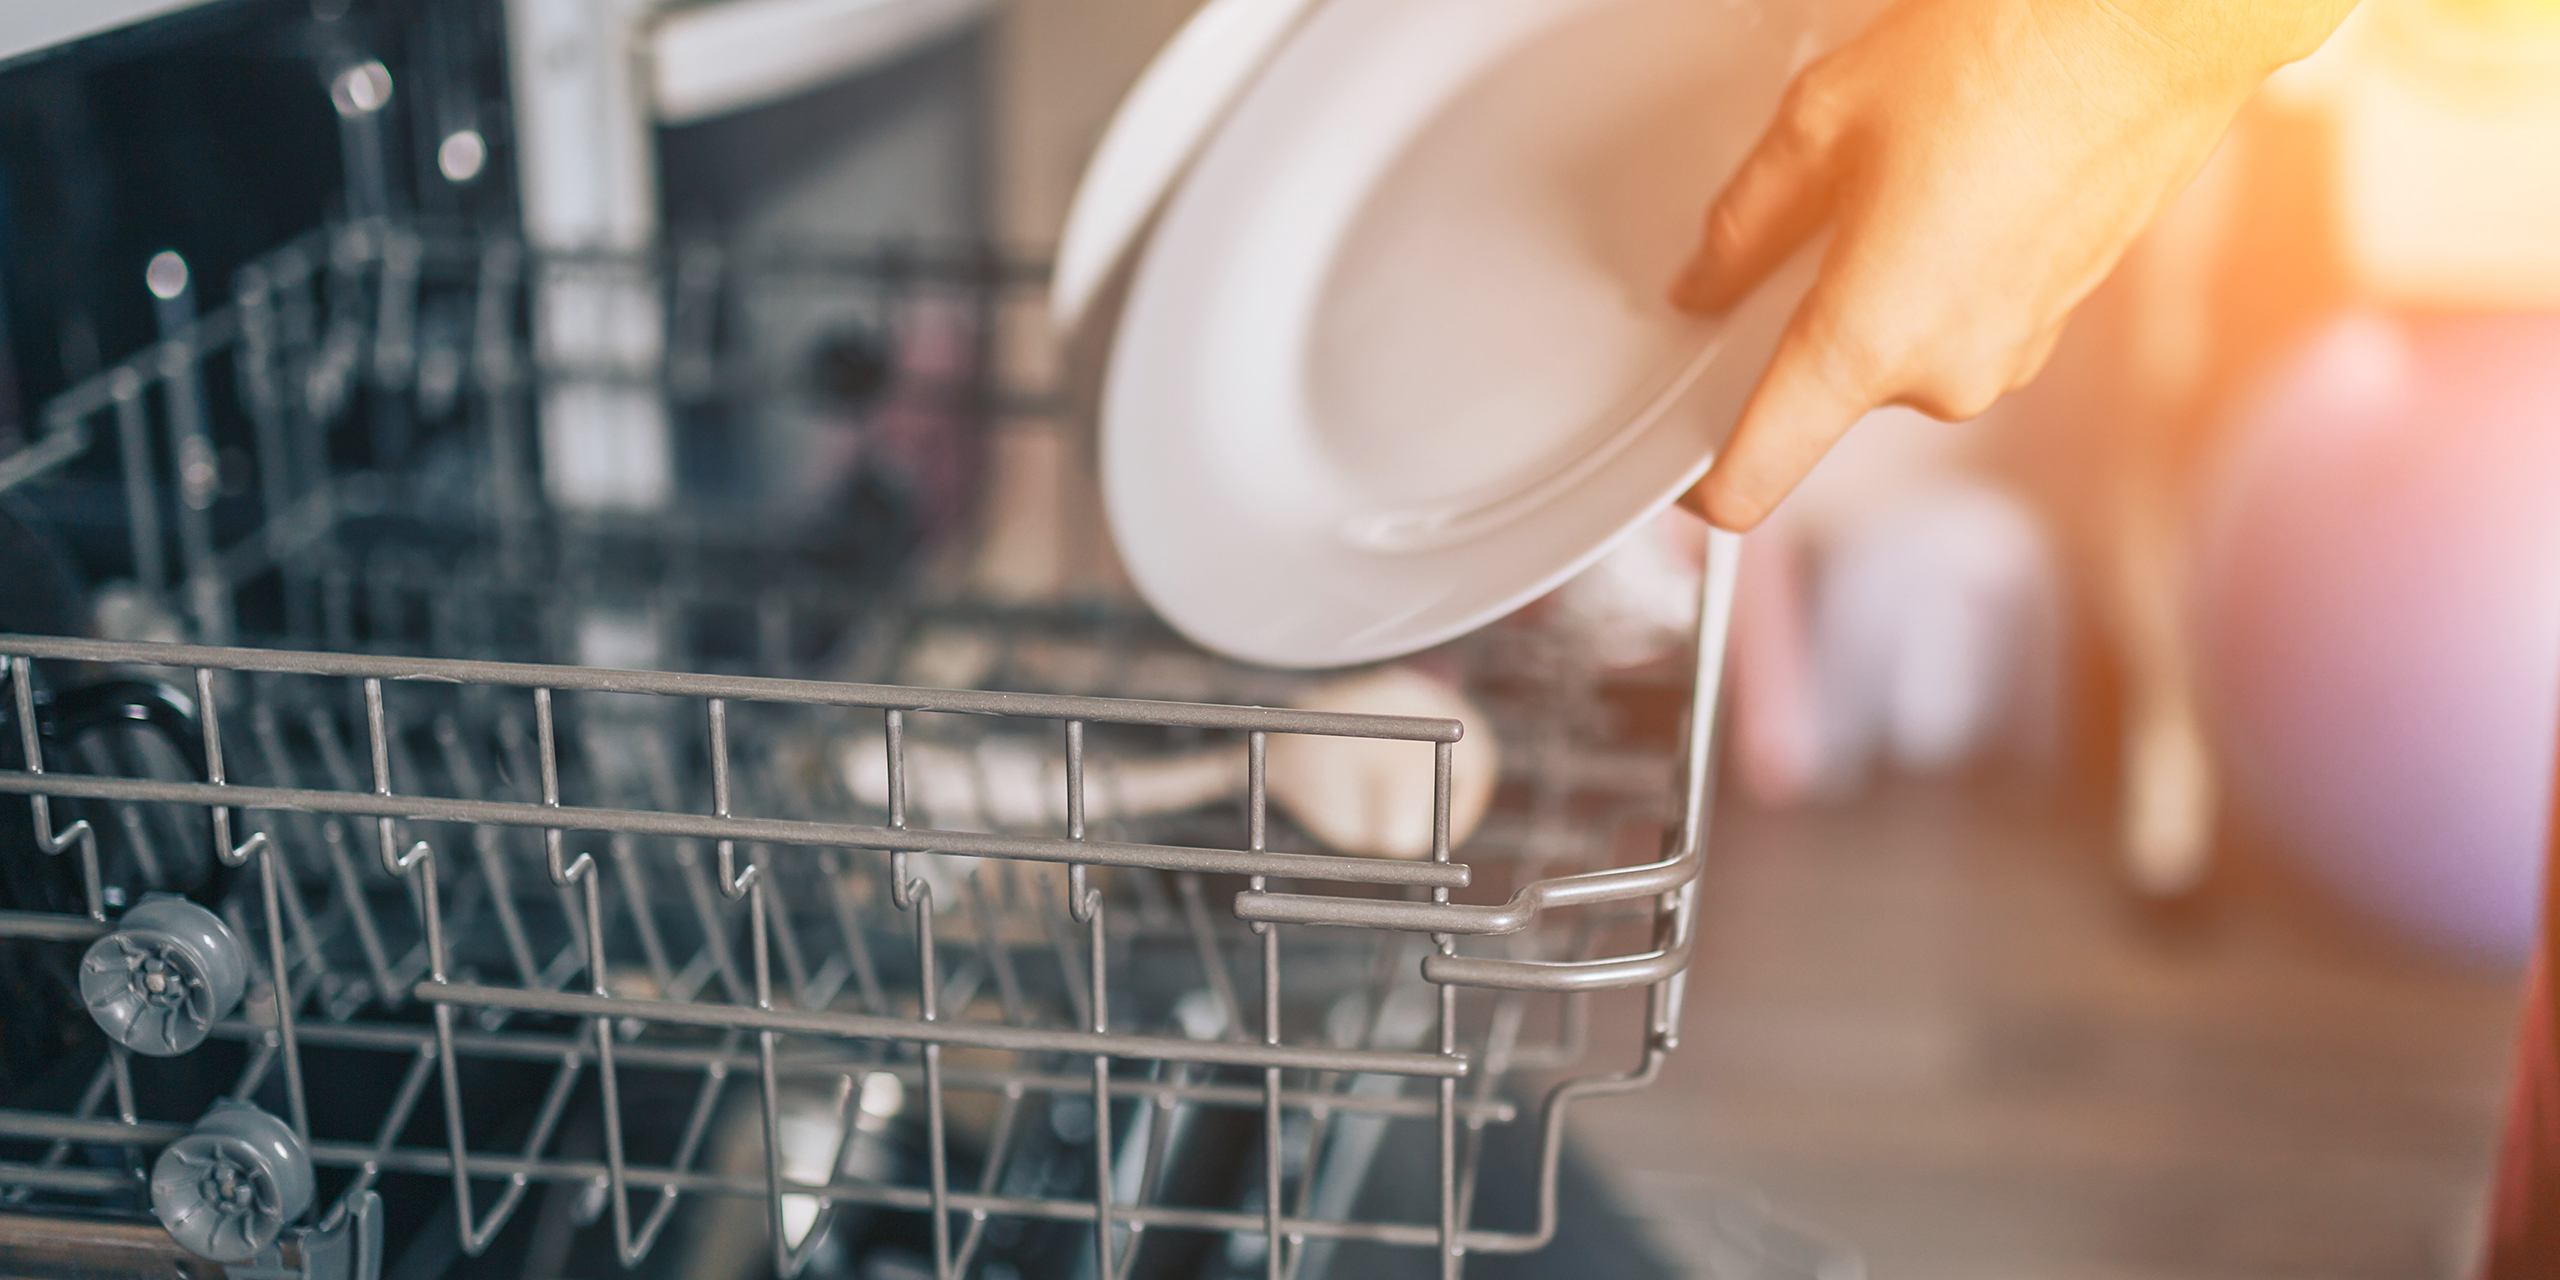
(1932, 1025)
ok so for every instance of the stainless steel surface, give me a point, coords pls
(661, 879)
(35, 27)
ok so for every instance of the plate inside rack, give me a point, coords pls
(1396, 359)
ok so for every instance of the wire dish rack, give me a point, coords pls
(330, 959)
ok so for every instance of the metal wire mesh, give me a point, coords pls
(641, 947)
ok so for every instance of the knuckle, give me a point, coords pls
(1964, 372)
(1956, 395)
(1816, 107)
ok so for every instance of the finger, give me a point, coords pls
(1798, 411)
(1780, 196)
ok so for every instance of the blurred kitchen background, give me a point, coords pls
(2131, 842)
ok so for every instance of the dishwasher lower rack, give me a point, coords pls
(602, 946)
(591, 971)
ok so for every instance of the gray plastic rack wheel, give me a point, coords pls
(168, 973)
(226, 1190)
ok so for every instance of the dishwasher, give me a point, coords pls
(433, 880)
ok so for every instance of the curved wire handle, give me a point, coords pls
(1671, 877)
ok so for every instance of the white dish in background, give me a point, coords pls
(1396, 360)
(1159, 127)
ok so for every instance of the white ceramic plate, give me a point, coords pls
(1159, 127)
(1396, 360)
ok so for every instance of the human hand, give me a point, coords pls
(1983, 163)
